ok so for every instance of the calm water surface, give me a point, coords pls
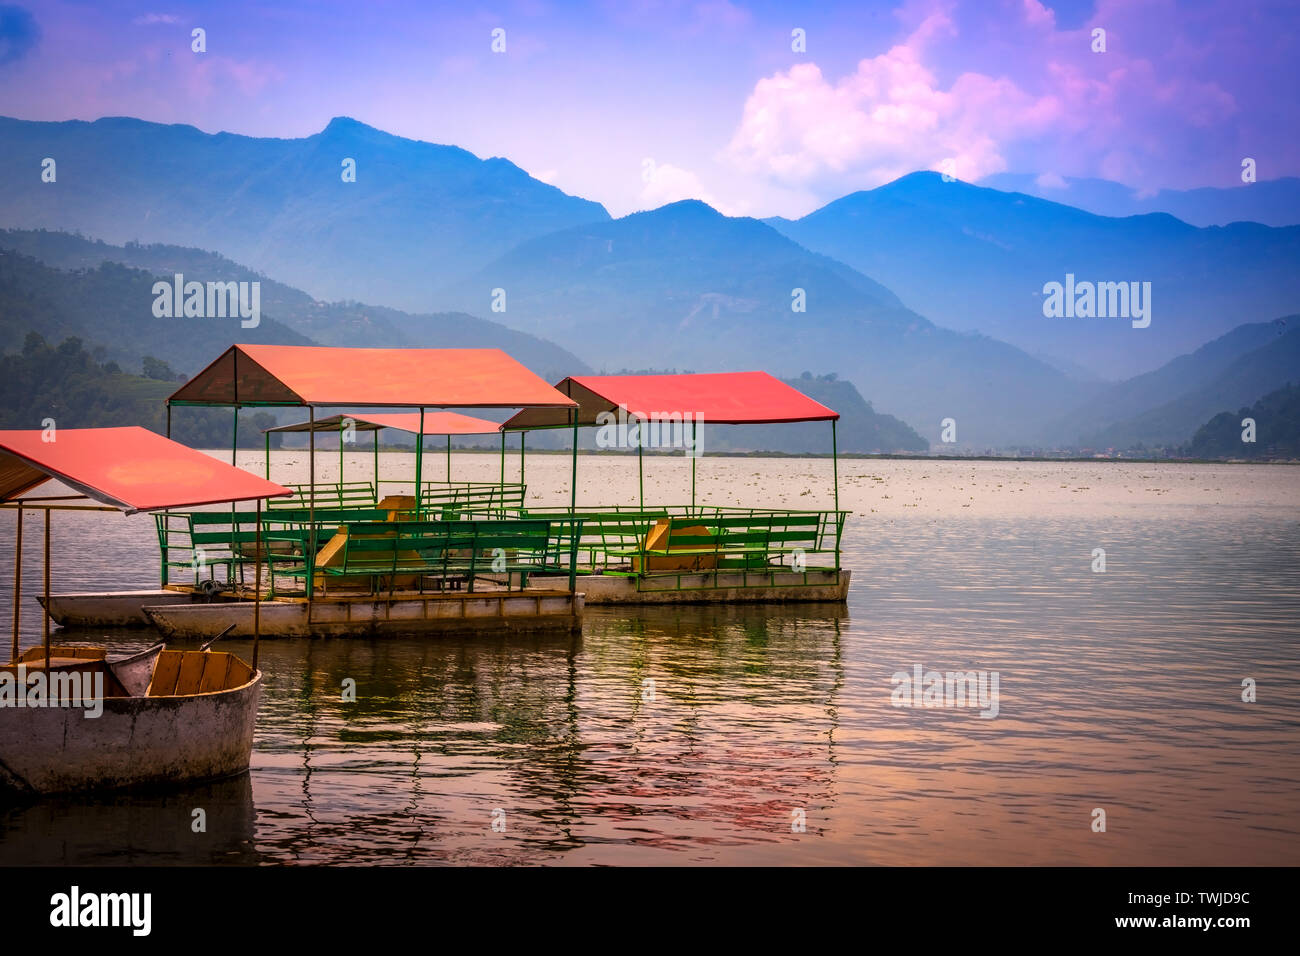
(1119, 690)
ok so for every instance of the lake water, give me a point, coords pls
(1119, 690)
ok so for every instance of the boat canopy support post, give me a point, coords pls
(47, 591)
(419, 460)
(694, 454)
(640, 465)
(257, 585)
(573, 480)
(268, 456)
(311, 503)
(18, 577)
(521, 457)
(835, 473)
(375, 433)
(448, 458)
(503, 458)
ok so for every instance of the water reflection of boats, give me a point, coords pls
(739, 728)
(158, 827)
(74, 720)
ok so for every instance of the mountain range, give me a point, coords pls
(416, 215)
(67, 287)
(1274, 202)
(291, 316)
(973, 258)
(926, 295)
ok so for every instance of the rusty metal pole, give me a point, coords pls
(47, 589)
(18, 577)
(257, 586)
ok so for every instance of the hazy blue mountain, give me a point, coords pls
(78, 390)
(111, 306)
(684, 286)
(1187, 373)
(969, 257)
(860, 429)
(417, 215)
(326, 323)
(1244, 380)
(1274, 202)
(1277, 430)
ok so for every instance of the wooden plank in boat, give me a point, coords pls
(80, 653)
(165, 672)
(216, 664)
(239, 674)
(187, 681)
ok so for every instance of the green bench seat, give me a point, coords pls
(449, 550)
(346, 494)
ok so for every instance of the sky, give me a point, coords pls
(635, 103)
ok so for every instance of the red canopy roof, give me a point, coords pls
(130, 468)
(719, 398)
(435, 423)
(316, 375)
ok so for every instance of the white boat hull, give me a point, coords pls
(724, 587)
(495, 611)
(110, 608)
(136, 741)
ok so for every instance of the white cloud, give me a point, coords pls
(666, 183)
(887, 118)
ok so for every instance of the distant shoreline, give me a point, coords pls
(496, 452)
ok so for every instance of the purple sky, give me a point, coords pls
(637, 103)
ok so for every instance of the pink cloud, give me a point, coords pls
(889, 117)
(1118, 113)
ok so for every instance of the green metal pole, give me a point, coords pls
(234, 463)
(419, 458)
(340, 454)
(640, 464)
(835, 470)
(521, 458)
(573, 482)
(693, 457)
(268, 456)
(310, 557)
(503, 458)
(375, 433)
(448, 459)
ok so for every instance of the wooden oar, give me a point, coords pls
(207, 645)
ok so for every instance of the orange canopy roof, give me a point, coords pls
(435, 423)
(411, 378)
(130, 468)
(719, 398)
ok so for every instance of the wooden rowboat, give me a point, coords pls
(191, 721)
(70, 718)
